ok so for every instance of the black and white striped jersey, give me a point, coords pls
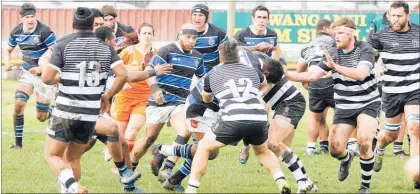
(350, 93)
(313, 53)
(237, 87)
(282, 90)
(84, 62)
(400, 54)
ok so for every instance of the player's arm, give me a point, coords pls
(7, 55)
(362, 70)
(302, 67)
(121, 75)
(53, 66)
(136, 76)
(207, 93)
(277, 54)
(314, 73)
(7, 52)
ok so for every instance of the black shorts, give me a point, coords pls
(349, 116)
(101, 137)
(66, 130)
(231, 132)
(320, 99)
(393, 104)
(291, 110)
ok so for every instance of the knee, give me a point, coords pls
(114, 135)
(365, 145)
(336, 149)
(213, 154)
(150, 140)
(42, 116)
(19, 106)
(413, 128)
(131, 133)
(274, 147)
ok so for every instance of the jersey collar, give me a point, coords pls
(178, 44)
(265, 31)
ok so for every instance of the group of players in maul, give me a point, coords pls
(217, 90)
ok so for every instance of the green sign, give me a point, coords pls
(300, 27)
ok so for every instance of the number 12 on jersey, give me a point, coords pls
(244, 86)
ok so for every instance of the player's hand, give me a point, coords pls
(264, 47)
(158, 96)
(147, 57)
(330, 62)
(35, 70)
(104, 104)
(305, 85)
(162, 69)
(9, 67)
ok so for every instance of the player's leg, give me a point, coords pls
(323, 133)
(156, 117)
(57, 141)
(257, 136)
(399, 143)
(281, 131)
(137, 119)
(392, 105)
(109, 128)
(23, 92)
(367, 125)
(200, 163)
(120, 112)
(198, 125)
(341, 130)
(44, 95)
(412, 119)
(178, 117)
(316, 108)
(352, 143)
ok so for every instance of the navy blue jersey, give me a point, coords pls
(247, 37)
(196, 98)
(120, 30)
(32, 44)
(177, 83)
(207, 44)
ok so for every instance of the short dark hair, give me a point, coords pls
(229, 51)
(145, 24)
(260, 8)
(323, 23)
(97, 13)
(104, 32)
(403, 4)
(27, 7)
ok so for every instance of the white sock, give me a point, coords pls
(352, 143)
(277, 176)
(66, 175)
(311, 145)
(193, 184)
(63, 188)
(167, 150)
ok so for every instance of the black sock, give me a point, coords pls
(168, 165)
(398, 147)
(324, 144)
(183, 172)
(19, 129)
(134, 166)
(121, 166)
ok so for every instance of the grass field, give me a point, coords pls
(24, 171)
